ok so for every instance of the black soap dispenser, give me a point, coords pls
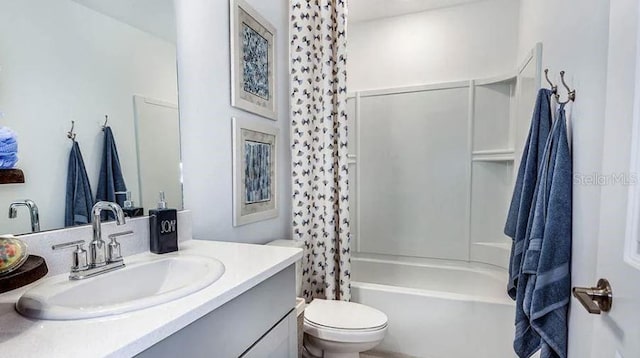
(163, 228)
(129, 208)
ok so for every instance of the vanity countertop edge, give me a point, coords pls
(128, 334)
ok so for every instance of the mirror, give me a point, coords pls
(79, 60)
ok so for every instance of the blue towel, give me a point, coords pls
(547, 261)
(521, 203)
(111, 179)
(79, 201)
(8, 148)
(8, 160)
(527, 340)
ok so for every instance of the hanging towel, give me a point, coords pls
(79, 201)
(523, 194)
(527, 340)
(111, 180)
(547, 259)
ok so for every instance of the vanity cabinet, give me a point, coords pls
(261, 322)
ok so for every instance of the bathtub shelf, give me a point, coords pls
(506, 246)
(499, 155)
(491, 188)
(494, 158)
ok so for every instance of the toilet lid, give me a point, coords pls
(344, 315)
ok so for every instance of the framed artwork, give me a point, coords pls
(255, 149)
(253, 69)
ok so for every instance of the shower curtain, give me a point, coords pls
(319, 146)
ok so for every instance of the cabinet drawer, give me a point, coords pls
(280, 342)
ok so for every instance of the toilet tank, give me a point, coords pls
(299, 245)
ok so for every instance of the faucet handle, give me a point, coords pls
(113, 250)
(66, 245)
(79, 255)
(113, 237)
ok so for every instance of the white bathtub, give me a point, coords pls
(441, 310)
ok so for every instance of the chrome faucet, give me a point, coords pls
(97, 246)
(102, 258)
(33, 212)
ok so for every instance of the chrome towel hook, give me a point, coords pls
(106, 119)
(571, 94)
(70, 134)
(554, 88)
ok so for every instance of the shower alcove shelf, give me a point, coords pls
(447, 162)
(493, 120)
(11, 176)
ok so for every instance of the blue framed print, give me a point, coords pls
(252, 61)
(255, 148)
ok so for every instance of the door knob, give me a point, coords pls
(595, 299)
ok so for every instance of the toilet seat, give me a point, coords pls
(341, 321)
(343, 335)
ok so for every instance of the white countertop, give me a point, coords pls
(131, 333)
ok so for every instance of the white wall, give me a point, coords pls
(618, 329)
(60, 62)
(205, 117)
(574, 34)
(476, 40)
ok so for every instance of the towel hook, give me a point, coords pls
(106, 119)
(70, 134)
(554, 88)
(571, 94)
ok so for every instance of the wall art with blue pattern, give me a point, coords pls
(257, 178)
(255, 62)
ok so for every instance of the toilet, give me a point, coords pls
(337, 329)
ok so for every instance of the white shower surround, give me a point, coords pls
(449, 200)
(449, 306)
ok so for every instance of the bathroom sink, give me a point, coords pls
(137, 286)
